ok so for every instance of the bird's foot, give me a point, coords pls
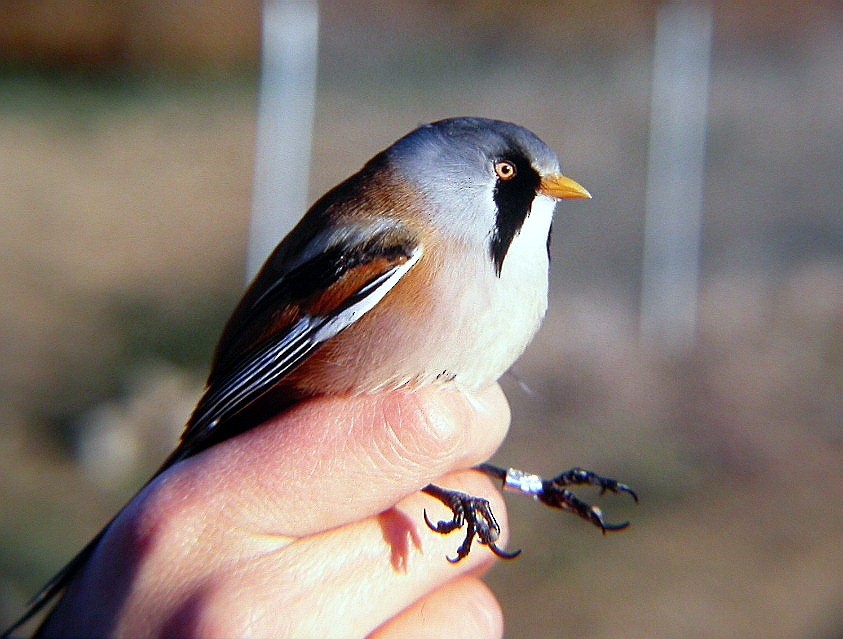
(554, 492)
(475, 514)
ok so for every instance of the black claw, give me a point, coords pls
(555, 494)
(581, 476)
(612, 486)
(623, 488)
(475, 514)
(595, 516)
(427, 520)
(503, 554)
(442, 527)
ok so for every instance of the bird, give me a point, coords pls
(427, 267)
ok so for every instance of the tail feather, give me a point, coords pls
(56, 585)
(53, 588)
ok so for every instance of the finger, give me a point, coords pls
(329, 461)
(463, 608)
(345, 582)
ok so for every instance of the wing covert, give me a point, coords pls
(361, 278)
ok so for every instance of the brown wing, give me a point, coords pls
(275, 330)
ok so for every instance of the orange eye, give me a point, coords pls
(505, 170)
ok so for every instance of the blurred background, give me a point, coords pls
(127, 146)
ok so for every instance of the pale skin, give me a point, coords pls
(309, 525)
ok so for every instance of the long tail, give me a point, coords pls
(55, 586)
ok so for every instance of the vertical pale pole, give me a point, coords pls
(674, 202)
(285, 123)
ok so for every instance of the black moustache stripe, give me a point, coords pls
(513, 199)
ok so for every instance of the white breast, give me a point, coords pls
(478, 324)
(513, 304)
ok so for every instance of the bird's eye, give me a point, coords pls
(505, 170)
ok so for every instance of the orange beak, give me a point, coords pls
(561, 187)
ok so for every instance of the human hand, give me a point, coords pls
(307, 526)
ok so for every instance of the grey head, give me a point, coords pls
(456, 165)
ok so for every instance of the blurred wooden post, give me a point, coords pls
(676, 166)
(285, 123)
